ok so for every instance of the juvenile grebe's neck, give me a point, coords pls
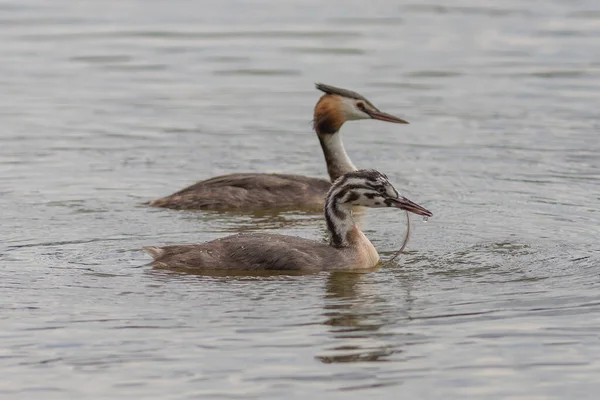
(339, 224)
(338, 215)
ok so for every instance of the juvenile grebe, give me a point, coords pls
(253, 191)
(348, 248)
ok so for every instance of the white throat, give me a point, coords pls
(338, 162)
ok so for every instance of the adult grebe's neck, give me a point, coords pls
(336, 158)
(327, 122)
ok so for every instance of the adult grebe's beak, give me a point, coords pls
(405, 204)
(385, 117)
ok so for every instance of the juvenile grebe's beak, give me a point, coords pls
(405, 204)
(385, 117)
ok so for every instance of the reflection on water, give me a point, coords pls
(353, 320)
(106, 105)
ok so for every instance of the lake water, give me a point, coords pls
(106, 105)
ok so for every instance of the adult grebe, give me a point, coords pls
(348, 248)
(254, 191)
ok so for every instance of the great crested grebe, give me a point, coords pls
(348, 248)
(252, 191)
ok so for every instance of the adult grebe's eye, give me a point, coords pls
(361, 105)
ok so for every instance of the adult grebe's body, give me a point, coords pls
(253, 191)
(348, 249)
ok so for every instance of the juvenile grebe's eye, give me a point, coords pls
(382, 190)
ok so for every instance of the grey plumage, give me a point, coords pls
(249, 190)
(348, 247)
(253, 251)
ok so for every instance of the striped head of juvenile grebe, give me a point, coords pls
(367, 188)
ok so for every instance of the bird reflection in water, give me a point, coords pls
(356, 318)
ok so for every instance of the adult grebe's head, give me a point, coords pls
(338, 105)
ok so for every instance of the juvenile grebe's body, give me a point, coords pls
(255, 191)
(348, 248)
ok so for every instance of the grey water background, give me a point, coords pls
(105, 105)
